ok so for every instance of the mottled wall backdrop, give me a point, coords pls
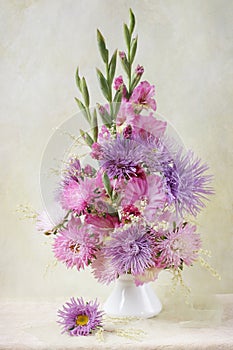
(186, 48)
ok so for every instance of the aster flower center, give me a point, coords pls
(82, 320)
(75, 247)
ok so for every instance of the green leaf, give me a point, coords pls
(107, 184)
(87, 138)
(102, 46)
(85, 92)
(131, 21)
(112, 67)
(133, 49)
(127, 35)
(77, 79)
(95, 125)
(103, 84)
(82, 109)
(125, 65)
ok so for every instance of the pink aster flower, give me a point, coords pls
(75, 245)
(79, 196)
(177, 247)
(145, 193)
(142, 97)
(80, 318)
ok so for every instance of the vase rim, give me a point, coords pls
(126, 277)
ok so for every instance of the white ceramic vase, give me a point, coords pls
(129, 300)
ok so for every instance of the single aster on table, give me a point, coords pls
(187, 183)
(130, 250)
(75, 245)
(178, 246)
(80, 318)
(121, 158)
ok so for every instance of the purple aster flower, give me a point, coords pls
(121, 158)
(187, 184)
(130, 250)
(75, 245)
(80, 318)
(177, 247)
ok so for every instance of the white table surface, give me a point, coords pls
(32, 325)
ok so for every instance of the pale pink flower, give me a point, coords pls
(149, 275)
(104, 133)
(45, 224)
(148, 125)
(177, 247)
(142, 97)
(103, 269)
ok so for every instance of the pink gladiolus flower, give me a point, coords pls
(142, 97)
(147, 194)
(148, 125)
(139, 70)
(96, 152)
(118, 82)
(102, 225)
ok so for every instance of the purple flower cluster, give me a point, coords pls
(129, 214)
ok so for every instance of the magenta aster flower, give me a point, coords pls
(142, 97)
(130, 250)
(121, 158)
(187, 184)
(75, 245)
(80, 318)
(177, 247)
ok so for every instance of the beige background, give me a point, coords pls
(186, 48)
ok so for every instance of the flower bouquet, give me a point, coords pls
(130, 214)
